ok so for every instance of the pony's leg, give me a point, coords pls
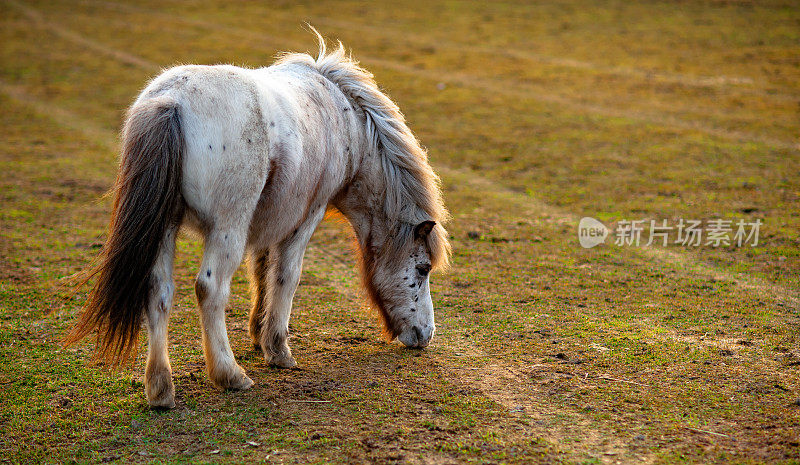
(158, 387)
(284, 276)
(258, 267)
(222, 255)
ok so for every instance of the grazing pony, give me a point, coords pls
(251, 159)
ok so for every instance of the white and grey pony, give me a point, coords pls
(251, 159)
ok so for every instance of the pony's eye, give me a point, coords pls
(424, 269)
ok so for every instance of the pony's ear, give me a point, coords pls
(422, 230)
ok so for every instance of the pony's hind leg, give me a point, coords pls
(258, 267)
(158, 386)
(283, 277)
(222, 255)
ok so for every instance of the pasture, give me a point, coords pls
(534, 116)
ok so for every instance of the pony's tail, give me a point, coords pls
(147, 203)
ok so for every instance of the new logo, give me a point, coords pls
(591, 232)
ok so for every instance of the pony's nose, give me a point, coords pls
(417, 337)
(419, 334)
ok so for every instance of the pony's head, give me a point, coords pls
(396, 276)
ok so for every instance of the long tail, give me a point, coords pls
(147, 202)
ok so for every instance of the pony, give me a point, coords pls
(251, 160)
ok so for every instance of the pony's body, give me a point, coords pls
(251, 159)
(266, 152)
(282, 136)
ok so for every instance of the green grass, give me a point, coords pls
(545, 351)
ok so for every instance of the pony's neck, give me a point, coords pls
(363, 202)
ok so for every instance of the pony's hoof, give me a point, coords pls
(235, 379)
(242, 383)
(160, 391)
(281, 361)
(166, 402)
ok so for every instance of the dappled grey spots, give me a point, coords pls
(175, 82)
(200, 290)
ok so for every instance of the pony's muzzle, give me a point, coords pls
(417, 337)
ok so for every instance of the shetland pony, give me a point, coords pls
(250, 159)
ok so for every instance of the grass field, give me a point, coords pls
(535, 115)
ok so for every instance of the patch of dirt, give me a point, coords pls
(16, 273)
(541, 394)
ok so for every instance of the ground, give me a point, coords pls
(534, 116)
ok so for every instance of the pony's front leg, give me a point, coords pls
(258, 267)
(284, 275)
(158, 386)
(222, 255)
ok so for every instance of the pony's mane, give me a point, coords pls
(413, 192)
